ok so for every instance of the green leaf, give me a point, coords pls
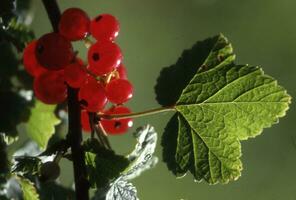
(103, 165)
(29, 190)
(51, 190)
(58, 146)
(42, 122)
(26, 165)
(177, 76)
(142, 157)
(222, 104)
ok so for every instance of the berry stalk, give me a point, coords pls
(75, 134)
(137, 114)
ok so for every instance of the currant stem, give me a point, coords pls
(138, 114)
(87, 42)
(75, 134)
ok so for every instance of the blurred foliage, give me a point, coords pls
(4, 164)
(13, 37)
(7, 8)
(16, 110)
(17, 34)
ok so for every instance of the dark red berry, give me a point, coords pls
(85, 121)
(30, 62)
(104, 57)
(50, 87)
(104, 27)
(75, 74)
(54, 52)
(121, 126)
(122, 71)
(92, 95)
(119, 91)
(74, 24)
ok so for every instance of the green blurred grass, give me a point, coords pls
(153, 35)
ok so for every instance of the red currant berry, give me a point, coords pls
(119, 91)
(113, 126)
(92, 95)
(122, 71)
(104, 27)
(29, 60)
(75, 74)
(54, 52)
(104, 57)
(85, 121)
(74, 24)
(50, 87)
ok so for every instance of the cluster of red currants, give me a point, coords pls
(53, 63)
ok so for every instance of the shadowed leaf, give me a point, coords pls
(173, 79)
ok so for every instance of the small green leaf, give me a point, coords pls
(142, 157)
(42, 122)
(103, 165)
(58, 146)
(29, 190)
(222, 104)
(26, 165)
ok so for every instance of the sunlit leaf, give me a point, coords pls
(42, 122)
(29, 190)
(222, 104)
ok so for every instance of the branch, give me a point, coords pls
(75, 134)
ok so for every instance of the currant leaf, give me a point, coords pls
(29, 190)
(53, 190)
(142, 157)
(42, 122)
(120, 189)
(26, 165)
(222, 104)
(178, 75)
(103, 165)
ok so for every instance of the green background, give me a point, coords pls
(153, 35)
